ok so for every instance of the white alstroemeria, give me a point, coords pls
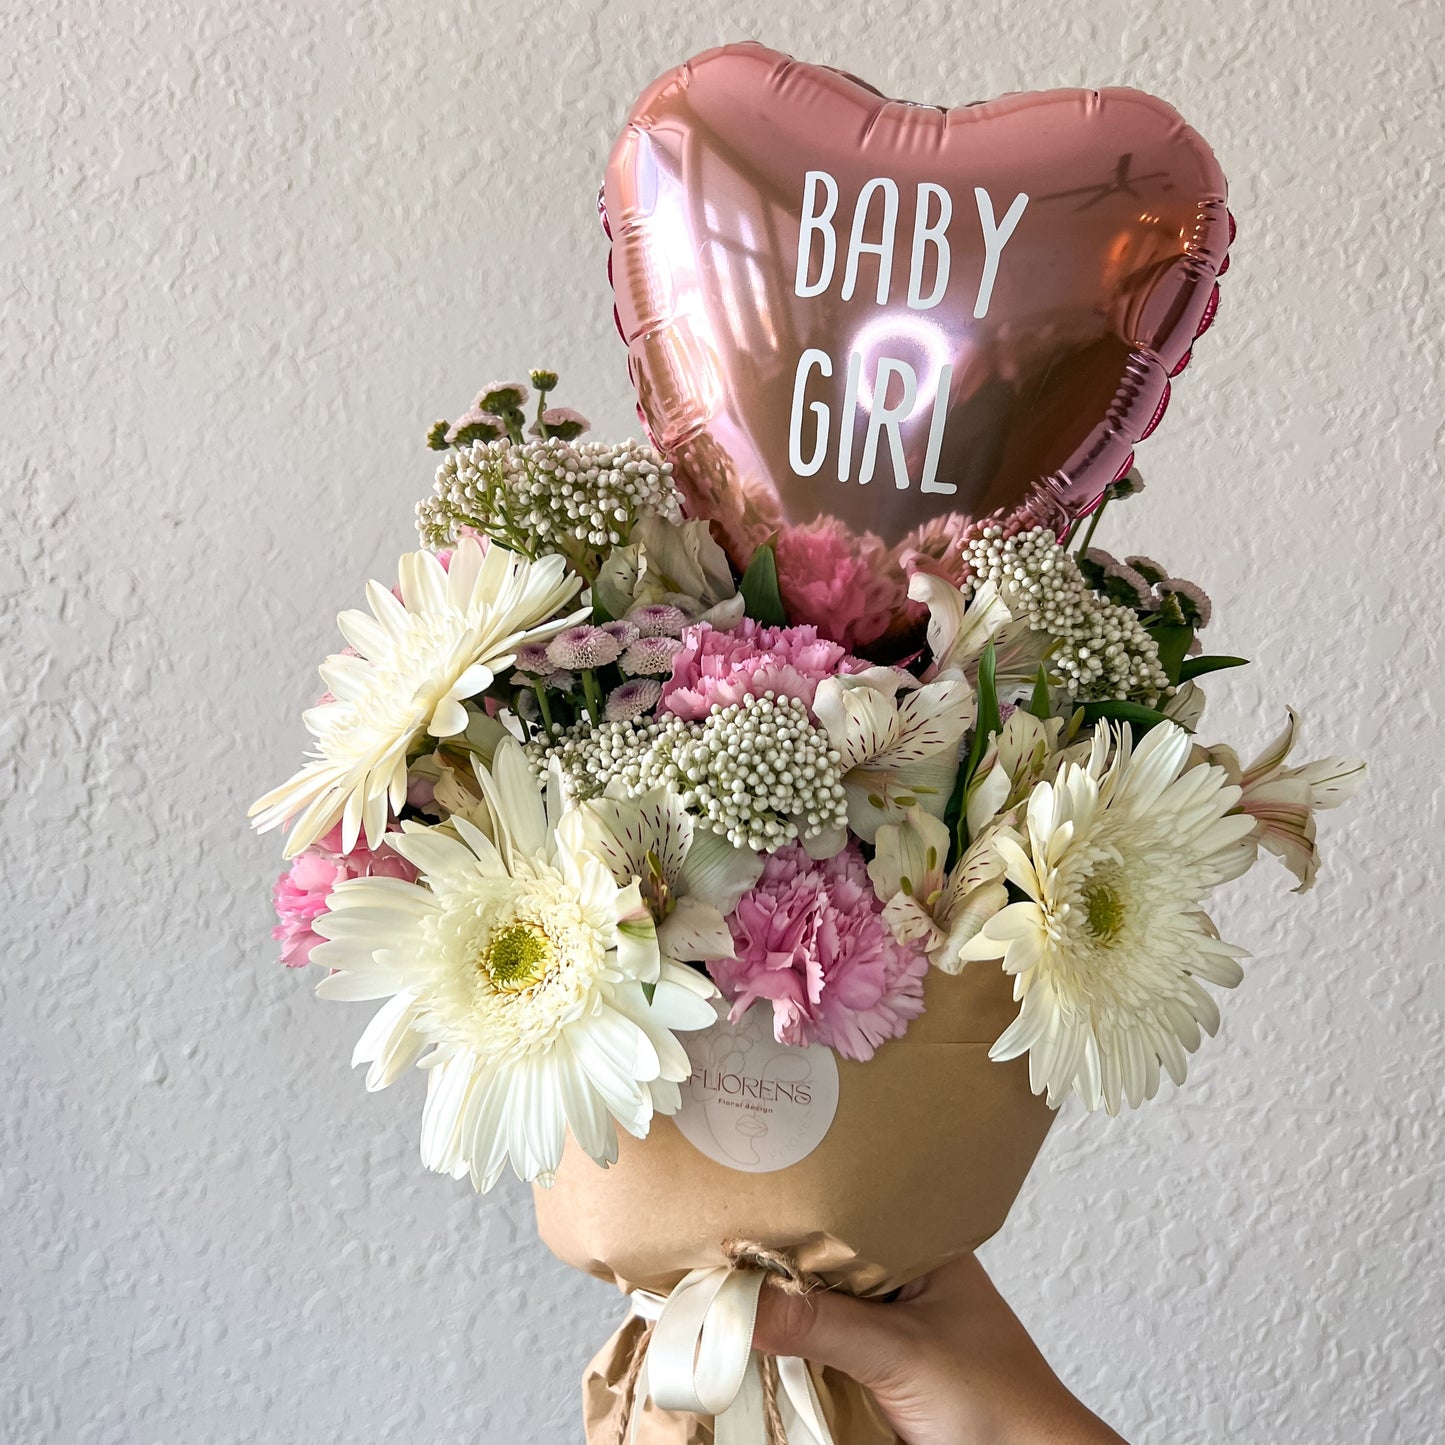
(937, 910)
(896, 752)
(960, 628)
(671, 562)
(691, 877)
(415, 663)
(1025, 752)
(520, 968)
(1110, 941)
(1186, 707)
(1283, 801)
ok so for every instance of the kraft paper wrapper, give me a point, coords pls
(927, 1152)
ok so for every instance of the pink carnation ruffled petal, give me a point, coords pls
(303, 892)
(850, 586)
(716, 668)
(811, 941)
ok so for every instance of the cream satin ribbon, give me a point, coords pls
(701, 1360)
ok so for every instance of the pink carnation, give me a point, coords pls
(848, 585)
(811, 939)
(303, 891)
(722, 667)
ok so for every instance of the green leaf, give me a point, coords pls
(1209, 662)
(1039, 702)
(1172, 640)
(759, 587)
(989, 720)
(954, 819)
(988, 723)
(1139, 717)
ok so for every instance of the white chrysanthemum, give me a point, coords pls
(521, 968)
(1109, 946)
(416, 660)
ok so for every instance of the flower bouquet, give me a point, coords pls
(749, 952)
(753, 848)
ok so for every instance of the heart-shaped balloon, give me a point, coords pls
(866, 327)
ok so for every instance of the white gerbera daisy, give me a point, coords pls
(524, 970)
(1109, 945)
(416, 660)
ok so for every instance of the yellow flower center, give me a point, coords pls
(517, 956)
(1104, 909)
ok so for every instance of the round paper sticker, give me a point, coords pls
(752, 1103)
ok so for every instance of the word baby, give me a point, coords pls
(932, 213)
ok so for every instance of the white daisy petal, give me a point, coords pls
(351, 987)
(587, 1116)
(431, 850)
(418, 660)
(514, 972)
(679, 1005)
(1117, 857)
(615, 1082)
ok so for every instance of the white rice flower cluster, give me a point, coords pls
(591, 755)
(1104, 650)
(546, 496)
(759, 772)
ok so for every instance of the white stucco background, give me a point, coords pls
(248, 251)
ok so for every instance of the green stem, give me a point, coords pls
(545, 710)
(592, 693)
(581, 566)
(1093, 526)
(499, 525)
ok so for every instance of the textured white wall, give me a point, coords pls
(248, 251)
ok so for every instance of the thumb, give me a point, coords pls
(855, 1336)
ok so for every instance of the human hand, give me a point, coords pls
(948, 1361)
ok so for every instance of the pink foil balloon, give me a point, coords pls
(865, 326)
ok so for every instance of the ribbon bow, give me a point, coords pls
(700, 1359)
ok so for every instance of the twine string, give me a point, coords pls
(629, 1383)
(787, 1275)
(772, 1416)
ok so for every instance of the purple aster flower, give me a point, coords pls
(625, 633)
(658, 619)
(583, 647)
(633, 699)
(650, 657)
(533, 659)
